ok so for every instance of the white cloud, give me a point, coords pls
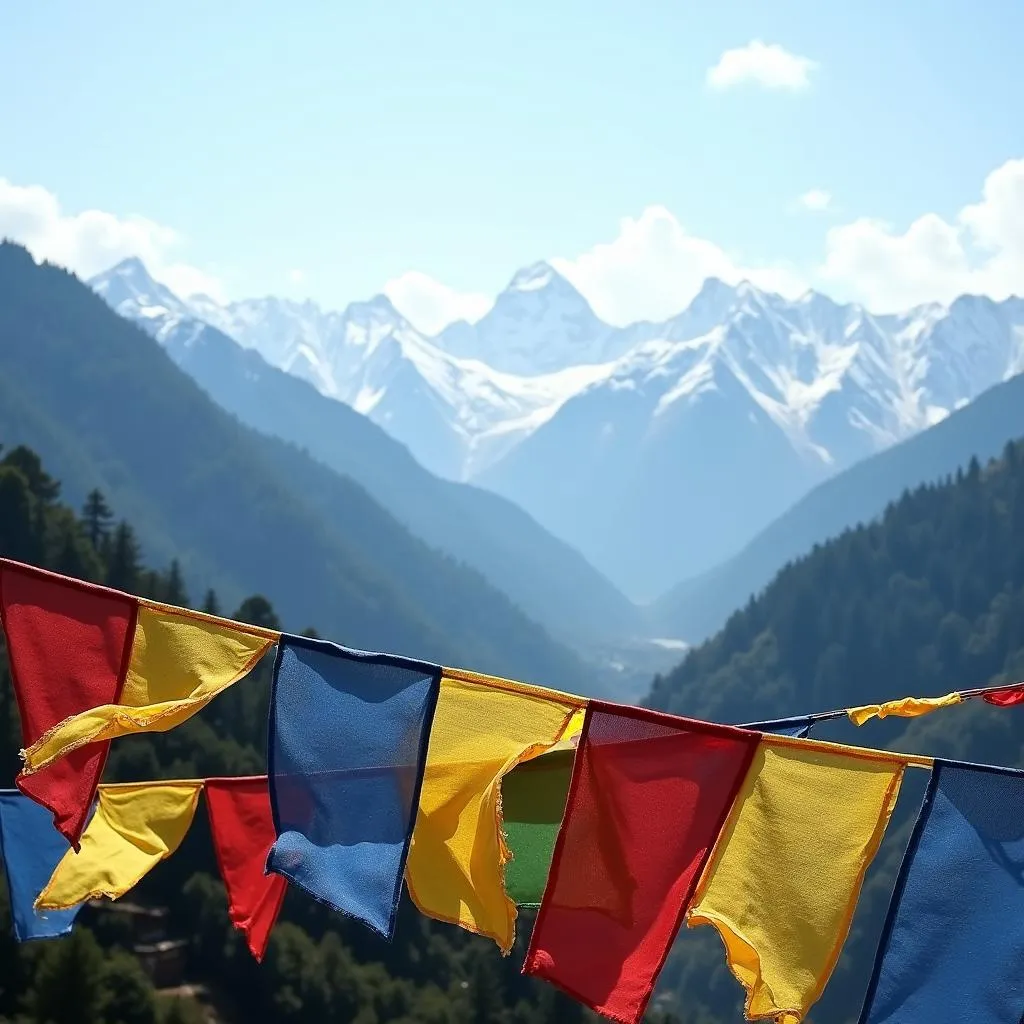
(296, 276)
(764, 64)
(94, 240)
(430, 305)
(981, 251)
(816, 199)
(653, 269)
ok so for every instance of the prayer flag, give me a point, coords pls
(180, 660)
(799, 728)
(788, 868)
(136, 825)
(906, 707)
(348, 739)
(67, 644)
(649, 795)
(953, 941)
(533, 799)
(1005, 698)
(483, 728)
(31, 849)
(243, 832)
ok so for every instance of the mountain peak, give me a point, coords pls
(130, 265)
(130, 269)
(129, 281)
(379, 309)
(534, 278)
(707, 308)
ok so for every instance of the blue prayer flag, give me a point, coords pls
(31, 849)
(953, 942)
(348, 741)
(798, 727)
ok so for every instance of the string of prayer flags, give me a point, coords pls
(483, 728)
(953, 941)
(243, 832)
(787, 872)
(179, 661)
(66, 642)
(348, 741)
(649, 795)
(533, 799)
(798, 728)
(31, 849)
(136, 825)
(906, 707)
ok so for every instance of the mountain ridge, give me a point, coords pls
(835, 381)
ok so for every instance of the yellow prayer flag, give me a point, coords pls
(136, 825)
(906, 707)
(787, 870)
(179, 662)
(483, 727)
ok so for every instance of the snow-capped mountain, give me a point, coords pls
(539, 324)
(694, 441)
(456, 414)
(656, 449)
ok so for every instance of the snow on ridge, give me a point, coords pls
(829, 375)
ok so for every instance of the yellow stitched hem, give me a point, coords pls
(272, 635)
(512, 686)
(745, 965)
(472, 928)
(865, 753)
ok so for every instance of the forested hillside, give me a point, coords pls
(105, 407)
(698, 608)
(927, 600)
(319, 967)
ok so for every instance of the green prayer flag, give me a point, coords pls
(533, 797)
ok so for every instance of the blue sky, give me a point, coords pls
(333, 148)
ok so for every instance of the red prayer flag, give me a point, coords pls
(649, 795)
(1006, 698)
(243, 832)
(68, 643)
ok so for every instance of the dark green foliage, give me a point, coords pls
(319, 966)
(928, 600)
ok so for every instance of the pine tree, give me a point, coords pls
(210, 603)
(174, 588)
(18, 537)
(40, 483)
(123, 568)
(96, 518)
(257, 611)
